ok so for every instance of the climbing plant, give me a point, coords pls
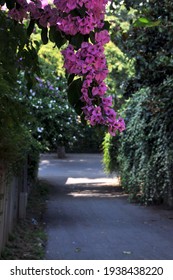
(145, 150)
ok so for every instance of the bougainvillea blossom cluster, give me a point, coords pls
(89, 62)
(92, 15)
(46, 14)
(72, 18)
(61, 14)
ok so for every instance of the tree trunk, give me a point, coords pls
(61, 152)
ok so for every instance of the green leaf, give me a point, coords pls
(77, 40)
(82, 117)
(52, 33)
(82, 11)
(10, 4)
(92, 37)
(37, 44)
(74, 94)
(79, 12)
(44, 36)
(30, 27)
(78, 108)
(106, 25)
(144, 22)
(70, 79)
(56, 37)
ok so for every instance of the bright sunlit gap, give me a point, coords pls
(96, 181)
(45, 162)
(98, 187)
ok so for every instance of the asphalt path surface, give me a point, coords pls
(89, 218)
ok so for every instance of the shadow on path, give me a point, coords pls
(88, 216)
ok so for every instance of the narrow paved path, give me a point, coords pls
(89, 218)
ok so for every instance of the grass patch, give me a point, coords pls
(27, 242)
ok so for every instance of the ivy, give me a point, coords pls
(145, 152)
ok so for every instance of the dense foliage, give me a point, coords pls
(145, 152)
(15, 140)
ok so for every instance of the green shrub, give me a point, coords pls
(146, 153)
(110, 153)
(16, 53)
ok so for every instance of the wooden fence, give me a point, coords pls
(13, 201)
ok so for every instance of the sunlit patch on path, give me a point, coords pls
(95, 187)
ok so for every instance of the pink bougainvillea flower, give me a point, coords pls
(107, 101)
(99, 90)
(44, 3)
(102, 37)
(87, 61)
(23, 3)
(17, 15)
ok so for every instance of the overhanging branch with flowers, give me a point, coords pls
(80, 23)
